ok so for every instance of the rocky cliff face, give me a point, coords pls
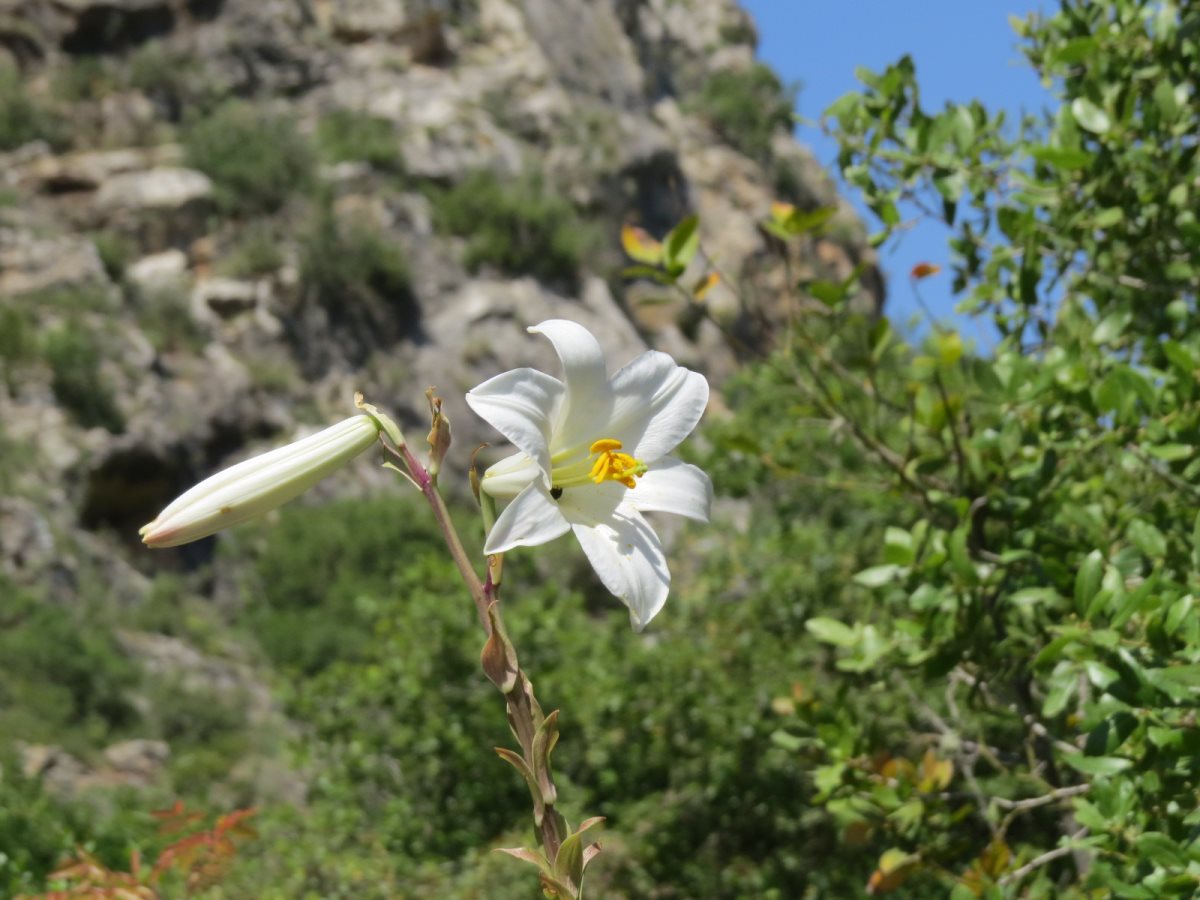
(218, 218)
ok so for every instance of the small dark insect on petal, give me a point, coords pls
(555, 492)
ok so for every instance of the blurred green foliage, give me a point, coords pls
(23, 117)
(60, 678)
(38, 831)
(359, 278)
(689, 767)
(747, 107)
(115, 251)
(174, 82)
(85, 79)
(256, 252)
(347, 135)
(74, 352)
(256, 158)
(165, 318)
(517, 226)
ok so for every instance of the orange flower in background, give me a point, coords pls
(924, 270)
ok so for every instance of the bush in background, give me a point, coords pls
(24, 118)
(347, 135)
(747, 107)
(256, 158)
(74, 351)
(517, 226)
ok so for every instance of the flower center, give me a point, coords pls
(613, 466)
(604, 463)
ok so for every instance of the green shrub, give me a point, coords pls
(256, 159)
(115, 251)
(38, 831)
(398, 709)
(517, 226)
(321, 574)
(84, 79)
(347, 135)
(359, 276)
(166, 320)
(257, 252)
(747, 107)
(174, 82)
(63, 674)
(73, 351)
(18, 341)
(22, 117)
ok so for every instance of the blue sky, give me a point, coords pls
(963, 49)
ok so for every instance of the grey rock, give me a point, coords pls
(227, 298)
(154, 189)
(159, 208)
(61, 772)
(27, 544)
(140, 762)
(30, 262)
(159, 271)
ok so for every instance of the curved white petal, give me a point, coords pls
(532, 518)
(519, 404)
(673, 486)
(657, 404)
(591, 504)
(629, 558)
(588, 401)
(508, 477)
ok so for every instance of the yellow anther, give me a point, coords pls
(613, 466)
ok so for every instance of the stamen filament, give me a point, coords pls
(608, 465)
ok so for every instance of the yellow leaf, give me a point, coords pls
(781, 212)
(701, 288)
(935, 773)
(640, 246)
(894, 868)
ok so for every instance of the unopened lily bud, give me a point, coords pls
(260, 484)
(439, 433)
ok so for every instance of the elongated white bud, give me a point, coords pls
(260, 484)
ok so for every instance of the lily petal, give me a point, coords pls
(588, 401)
(657, 405)
(532, 518)
(519, 404)
(511, 475)
(673, 486)
(628, 557)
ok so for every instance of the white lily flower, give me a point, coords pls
(256, 486)
(592, 457)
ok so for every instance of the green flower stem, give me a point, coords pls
(425, 484)
(535, 731)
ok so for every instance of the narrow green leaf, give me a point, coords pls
(1090, 116)
(1147, 538)
(1112, 326)
(1062, 157)
(1087, 580)
(831, 631)
(681, 244)
(828, 292)
(1096, 765)
(1160, 849)
(877, 576)
(1171, 452)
